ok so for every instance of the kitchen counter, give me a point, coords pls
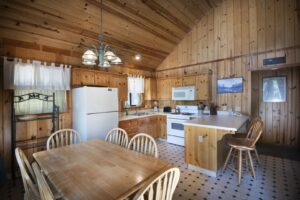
(224, 122)
(123, 116)
(205, 141)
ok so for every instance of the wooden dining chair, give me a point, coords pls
(144, 143)
(242, 145)
(44, 189)
(251, 129)
(28, 177)
(161, 187)
(117, 136)
(62, 138)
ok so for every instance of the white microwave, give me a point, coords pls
(183, 93)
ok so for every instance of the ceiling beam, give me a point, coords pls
(110, 9)
(166, 14)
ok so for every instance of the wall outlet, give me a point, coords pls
(200, 138)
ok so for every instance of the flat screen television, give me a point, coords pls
(230, 85)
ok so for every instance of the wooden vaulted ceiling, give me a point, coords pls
(150, 27)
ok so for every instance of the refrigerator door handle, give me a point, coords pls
(101, 112)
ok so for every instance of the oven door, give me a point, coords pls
(175, 127)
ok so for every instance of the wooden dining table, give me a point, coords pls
(97, 170)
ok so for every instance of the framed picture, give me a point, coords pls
(230, 85)
(274, 89)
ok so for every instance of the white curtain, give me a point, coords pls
(35, 76)
(135, 84)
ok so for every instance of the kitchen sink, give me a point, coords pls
(141, 113)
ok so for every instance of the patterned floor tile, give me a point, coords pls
(276, 178)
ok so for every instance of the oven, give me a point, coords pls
(175, 131)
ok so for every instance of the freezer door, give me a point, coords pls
(98, 125)
(101, 99)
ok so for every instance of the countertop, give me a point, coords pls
(123, 117)
(224, 122)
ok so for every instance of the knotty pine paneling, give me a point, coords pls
(233, 39)
(40, 129)
(282, 120)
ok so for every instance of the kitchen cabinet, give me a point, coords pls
(201, 82)
(162, 126)
(152, 125)
(120, 82)
(189, 81)
(82, 77)
(203, 87)
(175, 82)
(102, 79)
(130, 126)
(164, 90)
(150, 89)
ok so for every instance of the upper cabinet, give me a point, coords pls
(120, 82)
(102, 79)
(150, 89)
(201, 82)
(88, 77)
(203, 87)
(189, 80)
(164, 89)
(81, 77)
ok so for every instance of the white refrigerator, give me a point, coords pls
(95, 111)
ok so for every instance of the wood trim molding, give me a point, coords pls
(275, 67)
(230, 58)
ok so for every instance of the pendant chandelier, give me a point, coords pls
(104, 54)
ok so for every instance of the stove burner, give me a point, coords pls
(186, 113)
(173, 113)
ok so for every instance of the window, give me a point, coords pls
(135, 99)
(35, 106)
(135, 90)
(274, 89)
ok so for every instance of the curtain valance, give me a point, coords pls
(35, 75)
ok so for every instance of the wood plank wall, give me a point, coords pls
(233, 39)
(37, 129)
(282, 120)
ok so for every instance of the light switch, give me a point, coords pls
(200, 138)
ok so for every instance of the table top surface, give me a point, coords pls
(97, 170)
(224, 122)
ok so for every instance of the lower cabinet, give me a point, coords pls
(162, 126)
(152, 125)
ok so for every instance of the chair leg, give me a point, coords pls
(251, 164)
(246, 161)
(257, 157)
(240, 167)
(227, 159)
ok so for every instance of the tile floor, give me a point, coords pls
(277, 178)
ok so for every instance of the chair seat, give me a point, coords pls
(241, 143)
(239, 135)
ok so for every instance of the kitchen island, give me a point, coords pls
(205, 144)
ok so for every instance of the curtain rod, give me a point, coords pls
(31, 60)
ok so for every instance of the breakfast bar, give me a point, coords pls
(205, 144)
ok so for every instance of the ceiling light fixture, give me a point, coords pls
(104, 54)
(137, 56)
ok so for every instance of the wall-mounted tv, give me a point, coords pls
(230, 85)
